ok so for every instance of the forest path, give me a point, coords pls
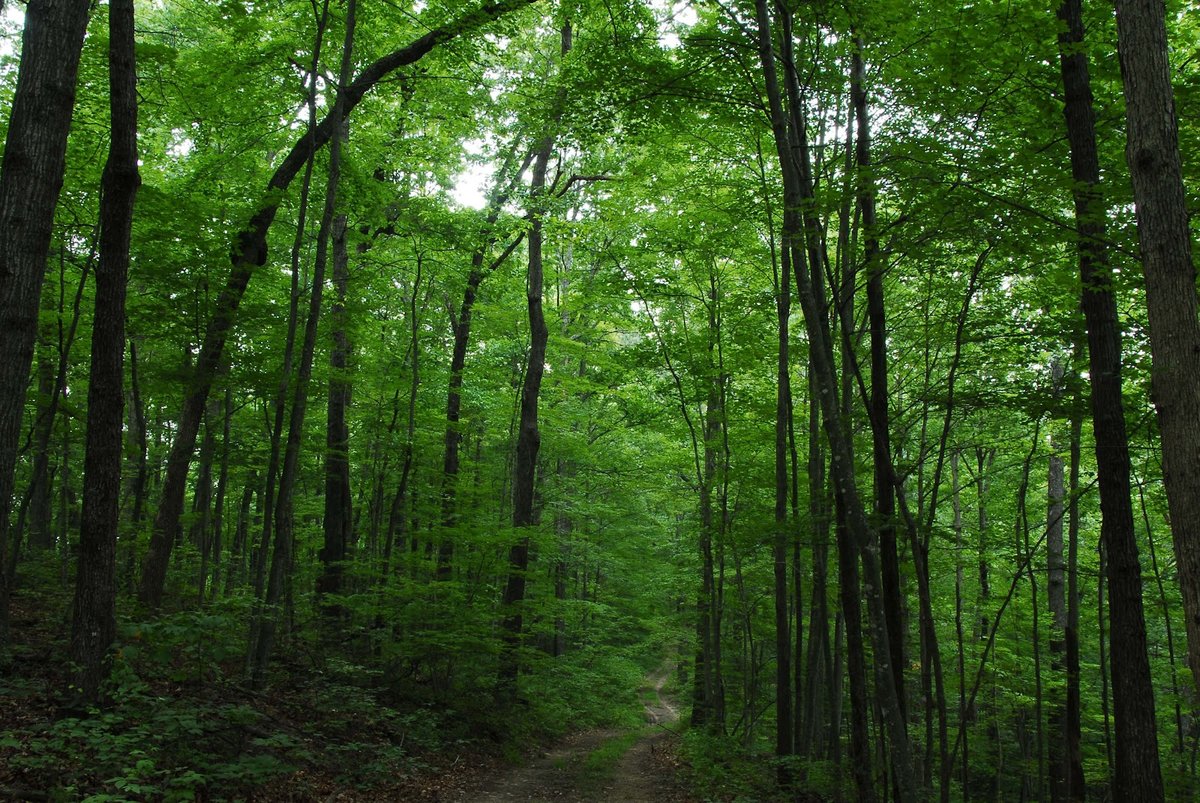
(603, 766)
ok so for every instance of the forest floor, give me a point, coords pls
(191, 731)
(600, 765)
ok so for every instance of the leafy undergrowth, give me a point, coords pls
(179, 724)
(732, 772)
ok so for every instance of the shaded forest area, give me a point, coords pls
(388, 388)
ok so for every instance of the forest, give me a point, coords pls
(646, 400)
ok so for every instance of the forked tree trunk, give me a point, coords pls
(789, 132)
(505, 184)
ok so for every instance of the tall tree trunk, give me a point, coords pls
(139, 438)
(1073, 749)
(963, 715)
(1056, 598)
(284, 516)
(784, 735)
(218, 507)
(885, 497)
(1138, 775)
(31, 176)
(1152, 151)
(259, 558)
(94, 625)
(396, 513)
(235, 571)
(250, 251)
(338, 516)
(41, 508)
(202, 499)
(505, 184)
(798, 197)
(528, 435)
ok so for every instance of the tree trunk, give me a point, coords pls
(963, 715)
(784, 736)
(338, 516)
(41, 508)
(218, 507)
(799, 197)
(281, 558)
(94, 625)
(528, 435)
(1138, 775)
(505, 184)
(1056, 598)
(250, 251)
(1152, 151)
(885, 497)
(30, 179)
(1072, 749)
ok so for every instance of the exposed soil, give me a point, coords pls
(647, 771)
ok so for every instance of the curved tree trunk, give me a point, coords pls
(528, 434)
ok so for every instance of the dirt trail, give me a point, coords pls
(646, 771)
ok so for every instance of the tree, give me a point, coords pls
(1138, 774)
(94, 625)
(528, 434)
(1152, 152)
(249, 252)
(31, 177)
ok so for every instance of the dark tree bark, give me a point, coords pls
(1056, 600)
(528, 435)
(505, 184)
(396, 514)
(250, 252)
(1138, 774)
(202, 498)
(885, 496)
(280, 403)
(30, 179)
(94, 625)
(138, 435)
(218, 507)
(1073, 727)
(41, 508)
(789, 132)
(281, 557)
(785, 741)
(1152, 151)
(338, 515)
(41, 531)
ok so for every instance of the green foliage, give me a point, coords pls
(593, 687)
(146, 746)
(726, 770)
